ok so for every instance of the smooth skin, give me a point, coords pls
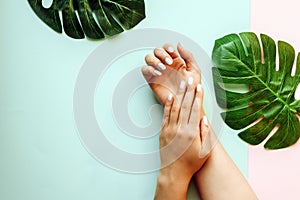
(180, 142)
(181, 67)
(216, 176)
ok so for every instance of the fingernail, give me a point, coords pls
(170, 97)
(161, 66)
(169, 61)
(190, 80)
(182, 84)
(157, 72)
(171, 49)
(205, 121)
(199, 88)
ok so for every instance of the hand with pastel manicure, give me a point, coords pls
(187, 146)
(181, 141)
(166, 68)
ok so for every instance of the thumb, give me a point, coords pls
(187, 56)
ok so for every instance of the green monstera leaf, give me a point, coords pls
(269, 102)
(98, 18)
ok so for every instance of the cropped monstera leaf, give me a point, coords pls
(269, 103)
(98, 18)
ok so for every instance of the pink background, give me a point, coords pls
(276, 174)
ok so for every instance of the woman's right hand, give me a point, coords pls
(166, 67)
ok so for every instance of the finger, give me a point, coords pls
(154, 62)
(167, 110)
(171, 50)
(149, 72)
(177, 103)
(162, 55)
(204, 130)
(187, 56)
(187, 103)
(197, 105)
(208, 140)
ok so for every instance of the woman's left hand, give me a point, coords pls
(181, 141)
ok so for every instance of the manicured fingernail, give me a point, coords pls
(157, 72)
(182, 84)
(170, 97)
(169, 61)
(171, 49)
(205, 121)
(199, 88)
(190, 80)
(161, 66)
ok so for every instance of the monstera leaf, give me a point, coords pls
(111, 16)
(269, 103)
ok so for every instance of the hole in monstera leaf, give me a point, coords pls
(256, 121)
(47, 3)
(293, 73)
(297, 93)
(273, 131)
(277, 62)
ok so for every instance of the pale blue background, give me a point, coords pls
(40, 151)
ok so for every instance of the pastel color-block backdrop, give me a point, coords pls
(40, 150)
(41, 153)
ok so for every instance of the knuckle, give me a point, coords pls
(190, 136)
(176, 108)
(195, 107)
(144, 69)
(158, 50)
(167, 109)
(164, 135)
(186, 134)
(184, 107)
(167, 114)
(148, 58)
(180, 135)
(191, 90)
(182, 129)
(168, 134)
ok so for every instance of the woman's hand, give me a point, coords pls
(166, 68)
(181, 141)
(181, 138)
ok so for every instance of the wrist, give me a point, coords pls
(171, 184)
(173, 175)
(215, 151)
